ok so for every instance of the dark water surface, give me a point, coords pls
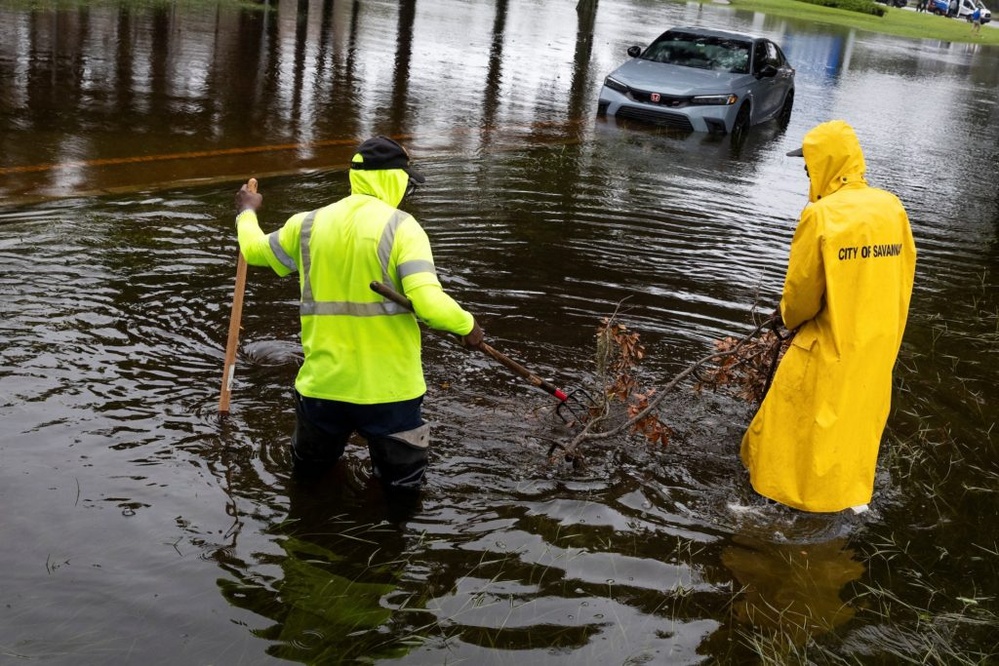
(139, 527)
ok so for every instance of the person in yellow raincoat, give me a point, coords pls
(813, 444)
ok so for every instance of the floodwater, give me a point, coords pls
(140, 527)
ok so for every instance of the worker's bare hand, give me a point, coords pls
(248, 199)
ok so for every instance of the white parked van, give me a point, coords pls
(959, 9)
(966, 8)
(986, 12)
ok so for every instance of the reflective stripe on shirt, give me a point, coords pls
(286, 259)
(310, 306)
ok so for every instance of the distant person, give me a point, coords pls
(952, 10)
(813, 444)
(976, 20)
(362, 370)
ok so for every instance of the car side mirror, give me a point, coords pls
(634, 51)
(767, 71)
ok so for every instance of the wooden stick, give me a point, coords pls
(235, 320)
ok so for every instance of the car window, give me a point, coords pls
(773, 57)
(759, 56)
(701, 51)
(767, 53)
(781, 57)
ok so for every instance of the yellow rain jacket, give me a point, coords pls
(813, 444)
(358, 347)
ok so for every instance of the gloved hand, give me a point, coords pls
(776, 319)
(248, 199)
(473, 338)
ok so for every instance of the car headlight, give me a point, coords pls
(715, 100)
(614, 84)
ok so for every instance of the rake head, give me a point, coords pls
(576, 407)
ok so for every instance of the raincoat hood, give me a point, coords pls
(389, 185)
(833, 158)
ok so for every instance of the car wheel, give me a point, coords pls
(785, 111)
(741, 124)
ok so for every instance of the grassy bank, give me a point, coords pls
(900, 22)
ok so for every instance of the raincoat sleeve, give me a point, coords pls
(805, 283)
(277, 249)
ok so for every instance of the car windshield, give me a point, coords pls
(703, 51)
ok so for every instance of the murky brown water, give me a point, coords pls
(138, 527)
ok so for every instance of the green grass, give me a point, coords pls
(900, 22)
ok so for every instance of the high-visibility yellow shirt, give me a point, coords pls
(358, 347)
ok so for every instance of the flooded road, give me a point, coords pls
(138, 526)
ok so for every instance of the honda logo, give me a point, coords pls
(655, 97)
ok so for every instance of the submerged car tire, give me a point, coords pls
(741, 124)
(785, 111)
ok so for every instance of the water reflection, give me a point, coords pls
(331, 589)
(795, 591)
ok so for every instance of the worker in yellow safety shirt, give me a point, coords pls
(813, 444)
(362, 370)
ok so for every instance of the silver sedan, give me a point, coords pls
(702, 80)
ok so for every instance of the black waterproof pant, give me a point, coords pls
(323, 427)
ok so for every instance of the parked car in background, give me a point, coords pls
(959, 9)
(986, 12)
(703, 80)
